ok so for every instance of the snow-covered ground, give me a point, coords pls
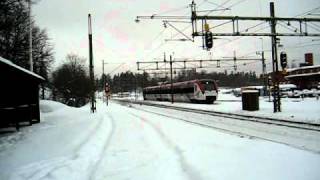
(306, 110)
(120, 142)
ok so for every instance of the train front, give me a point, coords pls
(209, 91)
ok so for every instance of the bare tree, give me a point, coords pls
(71, 81)
(14, 32)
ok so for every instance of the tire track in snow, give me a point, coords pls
(105, 147)
(191, 172)
(47, 169)
(91, 133)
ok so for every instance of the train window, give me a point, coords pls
(209, 86)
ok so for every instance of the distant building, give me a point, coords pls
(306, 77)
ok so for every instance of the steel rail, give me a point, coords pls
(257, 119)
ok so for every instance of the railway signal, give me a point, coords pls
(269, 81)
(208, 40)
(107, 92)
(283, 60)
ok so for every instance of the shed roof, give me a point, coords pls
(12, 65)
(304, 67)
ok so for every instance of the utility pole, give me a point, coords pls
(93, 101)
(30, 38)
(172, 100)
(264, 69)
(275, 68)
(104, 81)
(263, 61)
(135, 88)
(102, 67)
(103, 63)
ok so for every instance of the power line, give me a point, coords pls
(311, 25)
(156, 37)
(164, 42)
(232, 41)
(173, 10)
(219, 7)
(309, 11)
(216, 4)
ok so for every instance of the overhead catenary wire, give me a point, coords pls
(216, 4)
(232, 41)
(173, 10)
(314, 26)
(156, 37)
(225, 2)
(204, 1)
(291, 28)
(309, 11)
(163, 43)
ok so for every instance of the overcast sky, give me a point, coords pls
(118, 39)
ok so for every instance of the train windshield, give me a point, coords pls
(208, 85)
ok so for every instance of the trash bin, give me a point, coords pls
(250, 100)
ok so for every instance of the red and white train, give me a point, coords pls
(195, 91)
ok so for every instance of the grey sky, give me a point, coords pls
(118, 39)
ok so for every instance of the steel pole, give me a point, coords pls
(172, 100)
(276, 93)
(93, 105)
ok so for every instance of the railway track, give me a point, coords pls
(242, 117)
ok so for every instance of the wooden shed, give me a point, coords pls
(19, 95)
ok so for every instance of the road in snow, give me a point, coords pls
(120, 142)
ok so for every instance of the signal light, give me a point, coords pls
(283, 60)
(269, 81)
(208, 40)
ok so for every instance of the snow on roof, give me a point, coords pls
(5, 61)
(305, 67)
(250, 91)
(301, 75)
(287, 86)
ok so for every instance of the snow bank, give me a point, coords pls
(47, 106)
(65, 145)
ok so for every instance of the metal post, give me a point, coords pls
(193, 20)
(30, 38)
(264, 73)
(104, 76)
(276, 93)
(172, 100)
(102, 67)
(135, 87)
(93, 105)
(103, 81)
